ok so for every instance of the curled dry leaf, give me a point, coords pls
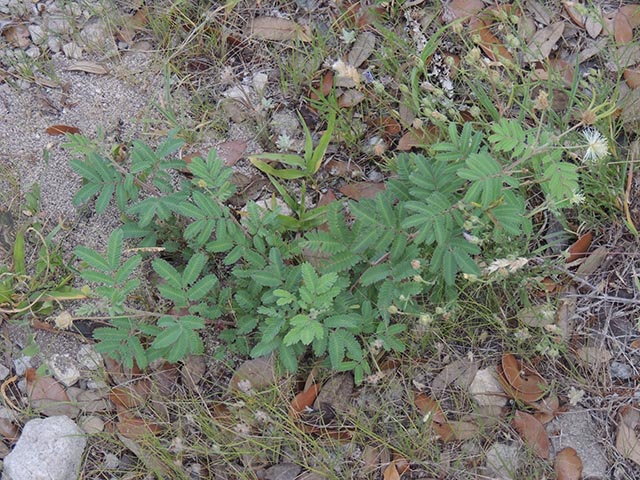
(304, 400)
(460, 371)
(521, 382)
(88, 67)
(362, 49)
(593, 261)
(61, 129)
(594, 357)
(532, 433)
(568, 465)
(543, 42)
(417, 137)
(391, 472)
(135, 427)
(627, 442)
(580, 247)
(547, 409)
(489, 43)
(350, 98)
(279, 29)
(359, 190)
(461, 9)
(17, 35)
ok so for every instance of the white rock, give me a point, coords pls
(72, 50)
(4, 372)
(502, 461)
(64, 369)
(486, 388)
(37, 34)
(89, 358)
(48, 449)
(58, 24)
(32, 52)
(21, 364)
(54, 44)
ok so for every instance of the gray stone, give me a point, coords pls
(89, 358)
(54, 44)
(72, 50)
(576, 429)
(58, 24)
(502, 461)
(95, 36)
(64, 369)
(621, 371)
(21, 364)
(48, 449)
(4, 372)
(37, 34)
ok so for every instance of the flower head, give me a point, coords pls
(597, 145)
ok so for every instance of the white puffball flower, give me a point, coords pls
(597, 146)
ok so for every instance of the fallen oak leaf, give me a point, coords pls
(88, 67)
(391, 472)
(279, 29)
(627, 442)
(568, 465)
(304, 400)
(432, 413)
(135, 427)
(532, 433)
(61, 129)
(579, 248)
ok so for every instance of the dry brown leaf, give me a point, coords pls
(61, 129)
(632, 77)
(623, 31)
(340, 168)
(254, 374)
(460, 371)
(231, 151)
(362, 49)
(521, 382)
(532, 433)
(540, 12)
(44, 388)
(8, 430)
(350, 98)
(193, 371)
(568, 465)
(463, 430)
(580, 247)
(547, 409)
(594, 357)
(627, 442)
(135, 427)
(632, 12)
(432, 413)
(17, 35)
(279, 29)
(543, 41)
(391, 472)
(359, 190)
(565, 313)
(373, 457)
(635, 343)
(574, 14)
(88, 67)
(592, 262)
(417, 137)
(489, 43)
(594, 24)
(304, 400)
(125, 397)
(461, 9)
